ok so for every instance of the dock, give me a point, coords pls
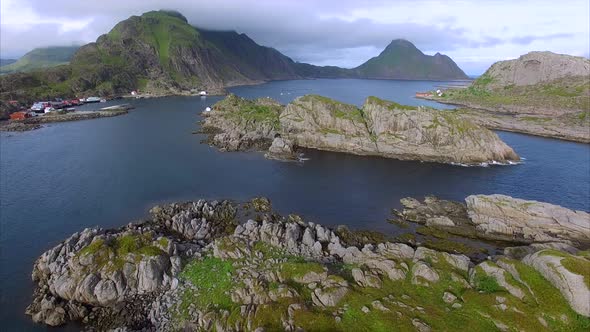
(121, 107)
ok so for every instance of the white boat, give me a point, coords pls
(92, 100)
(208, 109)
(203, 93)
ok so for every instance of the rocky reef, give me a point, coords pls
(502, 218)
(227, 266)
(379, 128)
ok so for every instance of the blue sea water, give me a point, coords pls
(67, 176)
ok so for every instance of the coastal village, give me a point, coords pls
(23, 117)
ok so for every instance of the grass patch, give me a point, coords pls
(390, 104)
(113, 254)
(292, 270)
(567, 93)
(485, 283)
(213, 279)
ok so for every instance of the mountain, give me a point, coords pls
(41, 58)
(159, 52)
(402, 60)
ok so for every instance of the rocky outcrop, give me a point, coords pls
(537, 67)
(556, 266)
(281, 149)
(505, 217)
(238, 124)
(499, 217)
(209, 266)
(379, 128)
(110, 269)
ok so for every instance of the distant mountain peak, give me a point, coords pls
(401, 59)
(399, 43)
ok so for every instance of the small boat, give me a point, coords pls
(208, 109)
(103, 100)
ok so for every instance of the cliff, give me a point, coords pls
(534, 68)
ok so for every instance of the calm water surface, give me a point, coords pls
(108, 172)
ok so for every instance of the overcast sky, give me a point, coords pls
(328, 32)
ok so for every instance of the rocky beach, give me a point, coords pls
(238, 266)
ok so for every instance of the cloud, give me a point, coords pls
(336, 32)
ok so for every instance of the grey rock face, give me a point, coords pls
(570, 284)
(422, 274)
(532, 221)
(281, 149)
(500, 217)
(537, 67)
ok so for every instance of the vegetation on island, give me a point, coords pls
(569, 93)
(113, 254)
(447, 304)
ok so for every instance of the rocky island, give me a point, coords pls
(228, 266)
(540, 93)
(378, 128)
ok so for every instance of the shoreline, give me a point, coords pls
(171, 270)
(36, 122)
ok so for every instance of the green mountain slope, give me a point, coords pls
(402, 60)
(41, 58)
(156, 52)
(159, 52)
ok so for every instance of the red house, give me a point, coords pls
(19, 116)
